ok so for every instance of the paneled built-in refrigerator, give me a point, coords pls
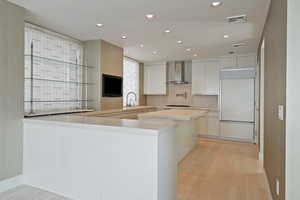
(237, 103)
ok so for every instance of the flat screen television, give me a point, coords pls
(112, 86)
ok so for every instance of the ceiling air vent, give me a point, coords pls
(242, 44)
(237, 19)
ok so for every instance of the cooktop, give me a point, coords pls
(178, 106)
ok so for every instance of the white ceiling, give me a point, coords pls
(198, 25)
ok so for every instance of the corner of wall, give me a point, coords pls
(10, 183)
(92, 57)
(11, 89)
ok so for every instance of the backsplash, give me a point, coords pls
(181, 94)
(208, 101)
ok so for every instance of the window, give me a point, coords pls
(54, 74)
(131, 79)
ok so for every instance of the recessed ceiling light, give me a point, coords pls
(154, 52)
(99, 25)
(188, 49)
(150, 16)
(226, 36)
(195, 55)
(141, 45)
(124, 37)
(167, 31)
(179, 42)
(215, 4)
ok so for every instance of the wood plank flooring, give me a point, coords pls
(222, 170)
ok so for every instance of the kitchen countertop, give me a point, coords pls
(116, 111)
(174, 114)
(193, 107)
(83, 121)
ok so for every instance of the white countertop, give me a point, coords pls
(174, 114)
(116, 111)
(101, 121)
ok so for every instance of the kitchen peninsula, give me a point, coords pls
(109, 152)
(84, 157)
(189, 124)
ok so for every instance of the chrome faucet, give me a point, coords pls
(135, 99)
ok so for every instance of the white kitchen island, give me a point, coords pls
(95, 158)
(189, 124)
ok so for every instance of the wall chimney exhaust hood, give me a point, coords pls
(179, 72)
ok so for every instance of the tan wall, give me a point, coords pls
(11, 89)
(275, 70)
(111, 63)
(293, 102)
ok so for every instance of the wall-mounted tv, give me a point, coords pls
(112, 86)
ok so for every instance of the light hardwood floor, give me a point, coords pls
(222, 170)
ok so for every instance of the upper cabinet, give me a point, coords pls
(155, 78)
(246, 61)
(205, 73)
(239, 61)
(228, 62)
(205, 77)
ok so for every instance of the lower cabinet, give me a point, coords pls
(241, 131)
(209, 126)
(213, 124)
(201, 126)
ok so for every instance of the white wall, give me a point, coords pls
(92, 52)
(11, 88)
(293, 102)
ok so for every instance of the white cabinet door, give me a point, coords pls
(237, 100)
(205, 78)
(212, 78)
(228, 62)
(237, 130)
(213, 124)
(198, 78)
(155, 79)
(239, 61)
(202, 126)
(246, 61)
(209, 125)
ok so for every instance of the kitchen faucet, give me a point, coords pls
(135, 98)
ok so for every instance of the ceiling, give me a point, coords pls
(200, 26)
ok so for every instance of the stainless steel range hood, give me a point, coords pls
(179, 72)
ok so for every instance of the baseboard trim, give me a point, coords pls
(227, 139)
(10, 183)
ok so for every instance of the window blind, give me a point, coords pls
(130, 81)
(54, 73)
